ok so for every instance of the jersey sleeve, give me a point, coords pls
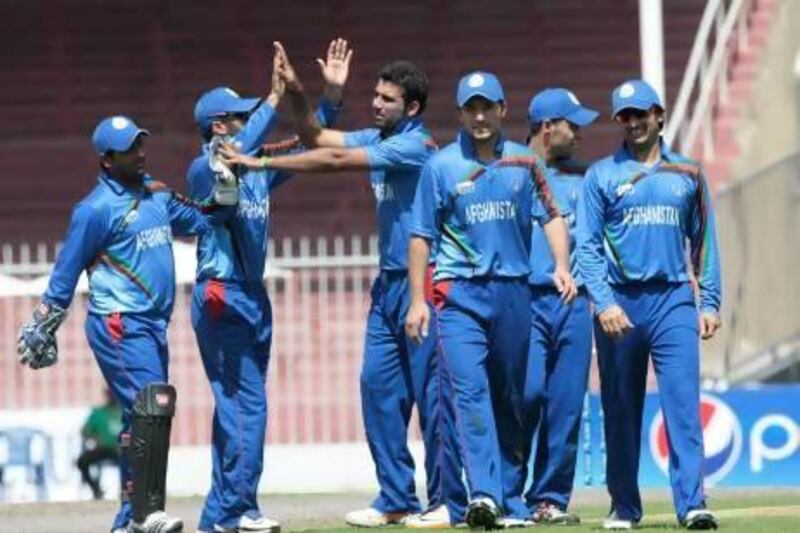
(326, 114)
(257, 128)
(543, 208)
(398, 151)
(428, 202)
(704, 250)
(86, 236)
(590, 238)
(358, 138)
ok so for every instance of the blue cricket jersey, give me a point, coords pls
(395, 161)
(565, 179)
(237, 249)
(123, 237)
(480, 213)
(634, 222)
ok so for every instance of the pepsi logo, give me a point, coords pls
(722, 439)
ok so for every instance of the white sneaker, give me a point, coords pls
(482, 513)
(438, 518)
(252, 525)
(550, 513)
(612, 521)
(509, 522)
(371, 517)
(157, 522)
(700, 519)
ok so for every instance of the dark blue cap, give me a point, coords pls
(479, 83)
(634, 94)
(116, 133)
(557, 103)
(219, 102)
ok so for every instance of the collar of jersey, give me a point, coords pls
(468, 149)
(404, 126)
(118, 188)
(667, 155)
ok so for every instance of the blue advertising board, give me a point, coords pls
(751, 438)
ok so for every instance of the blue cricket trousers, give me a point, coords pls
(131, 350)
(484, 330)
(397, 373)
(665, 326)
(558, 371)
(233, 325)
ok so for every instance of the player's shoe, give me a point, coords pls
(509, 522)
(437, 518)
(482, 513)
(551, 514)
(371, 517)
(612, 521)
(157, 522)
(700, 519)
(252, 525)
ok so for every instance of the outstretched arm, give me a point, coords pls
(335, 72)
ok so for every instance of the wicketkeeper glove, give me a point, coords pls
(226, 185)
(36, 344)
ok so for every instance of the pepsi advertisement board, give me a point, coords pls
(751, 438)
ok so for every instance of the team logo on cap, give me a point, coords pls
(627, 90)
(476, 80)
(119, 123)
(573, 98)
(722, 439)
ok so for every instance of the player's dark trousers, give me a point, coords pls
(396, 374)
(92, 457)
(131, 350)
(558, 370)
(484, 329)
(233, 326)
(665, 326)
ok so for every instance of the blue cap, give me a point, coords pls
(634, 94)
(218, 102)
(116, 133)
(557, 103)
(479, 83)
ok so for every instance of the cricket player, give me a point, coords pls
(231, 311)
(561, 334)
(639, 209)
(395, 373)
(475, 199)
(121, 234)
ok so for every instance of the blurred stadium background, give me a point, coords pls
(730, 74)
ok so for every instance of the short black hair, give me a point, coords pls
(411, 78)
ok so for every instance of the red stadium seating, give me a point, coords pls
(67, 64)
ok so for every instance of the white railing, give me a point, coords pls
(319, 290)
(723, 32)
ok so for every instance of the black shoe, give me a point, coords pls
(482, 513)
(700, 519)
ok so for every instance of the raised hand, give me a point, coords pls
(336, 67)
(285, 70)
(277, 86)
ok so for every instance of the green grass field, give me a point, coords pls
(739, 510)
(738, 514)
